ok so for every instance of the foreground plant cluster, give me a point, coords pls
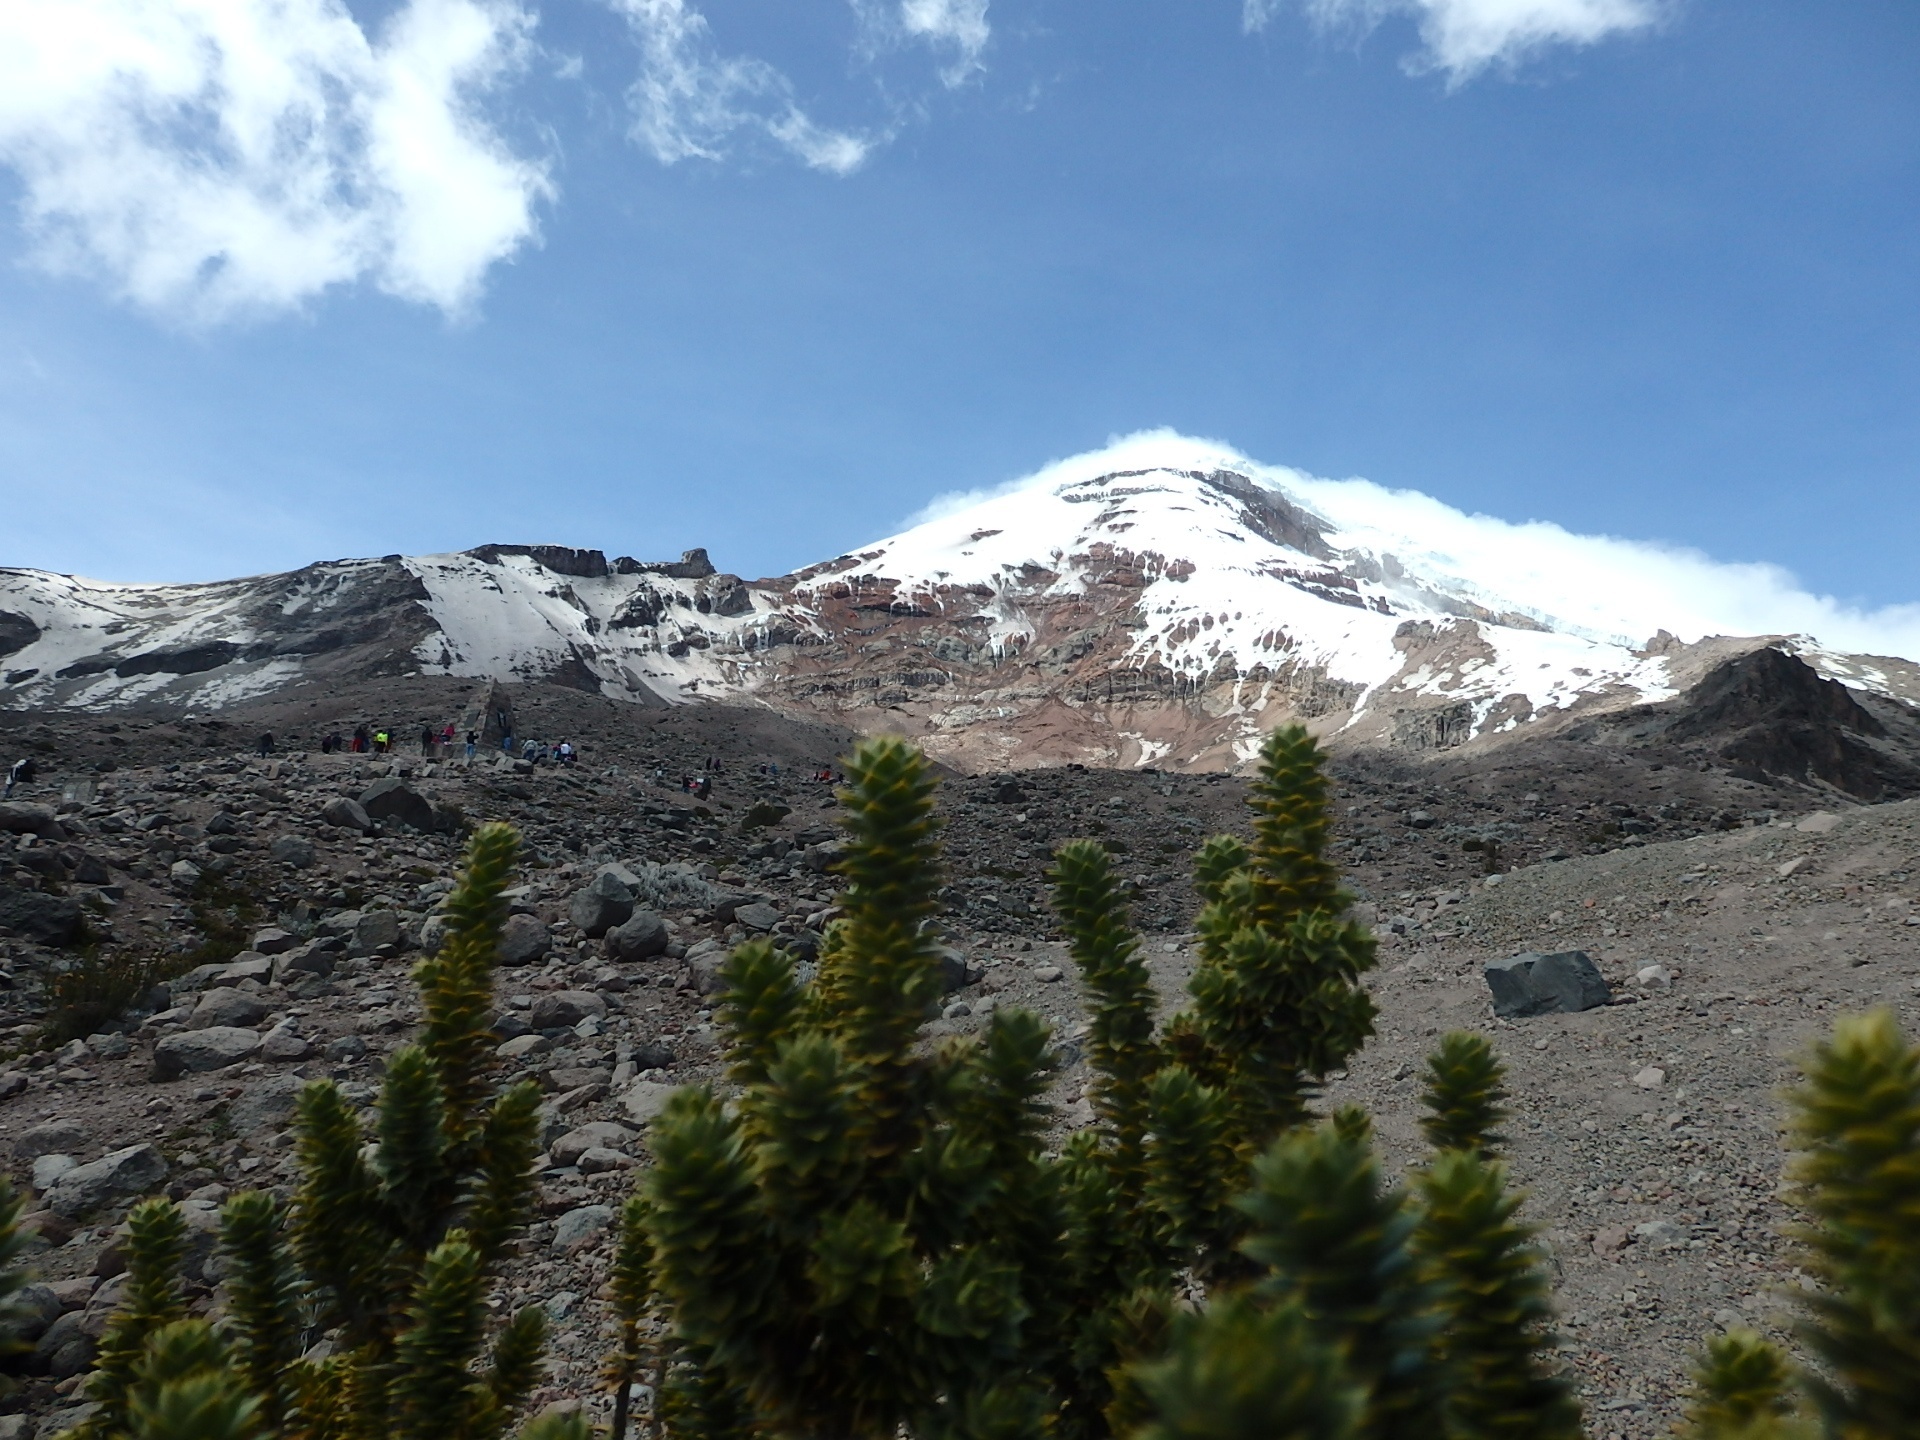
(863, 1236)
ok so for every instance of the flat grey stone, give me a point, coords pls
(273, 941)
(196, 1052)
(393, 799)
(645, 1099)
(595, 1134)
(601, 1159)
(758, 916)
(47, 1170)
(374, 929)
(267, 1106)
(122, 1175)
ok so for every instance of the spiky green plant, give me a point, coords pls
(1857, 1128)
(13, 1274)
(388, 1248)
(860, 1240)
(1464, 1095)
(1743, 1390)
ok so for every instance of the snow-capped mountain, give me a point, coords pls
(1163, 601)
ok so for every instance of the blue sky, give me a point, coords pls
(1638, 268)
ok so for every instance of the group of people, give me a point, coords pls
(381, 740)
(560, 752)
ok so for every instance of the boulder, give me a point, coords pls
(524, 939)
(521, 1046)
(599, 905)
(641, 936)
(284, 1045)
(223, 1006)
(66, 1348)
(22, 818)
(579, 1228)
(47, 1170)
(394, 800)
(294, 850)
(244, 966)
(315, 958)
(273, 941)
(196, 1052)
(1557, 984)
(30, 915)
(705, 966)
(645, 1099)
(652, 1055)
(49, 1137)
(266, 1107)
(564, 1009)
(183, 875)
(601, 1160)
(35, 1308)
(346, 814)
(595, 1134)
(373, 931)
(758, 916)
(122, 1175)
(955, 973)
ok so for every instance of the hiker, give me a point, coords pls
(19, 773)
(381, 740)
(566, 752)
(446, 736)
(427, 741)
(265, 744)
(704, 788)
(660, 776)
(361, 740)
(473, 742)
(530, 752)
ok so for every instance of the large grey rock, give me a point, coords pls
(273, 941)
(645, 1099)
(35, 1308)
(48, 919)
(66, 1348)
(1556, 984)
(294, 850)
(49, 1137)
(183, 875)
(757, 916)
(266, 1107)
(564, 1009)
(595, 1134)
(313, 958)
(524, 939)
(373, 931)
(394, 800)
(705, 962)
(196, 1052)
(602, 903)
(225, 1006)
(47, 1170)
(25, 818)
(122, 1175)
(346, 814)
(579, 1228)
(641, 936)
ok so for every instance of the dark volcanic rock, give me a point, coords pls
(1558, 984)
(49, 919)
(393, 799)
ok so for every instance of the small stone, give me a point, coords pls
(1787, 869)
(1820, 822)
(1048, 974)
(1610, 1241)
(110, 1046)
(196, 1052)
(1651, 1078)
(273, 941)
(1730, 1320)
(293, 850)
(958, 1010)
(227, 1007)
(183, 874)
(579, 1228)
(1661, 1234)
(564, 1009)
(1653, 977)
(524, 939)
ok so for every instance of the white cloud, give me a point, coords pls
(690, 101)
(1465, 37)
(959, 24)
(215, 158)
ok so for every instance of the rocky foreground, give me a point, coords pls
(286, 899)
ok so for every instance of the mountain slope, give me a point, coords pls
(1156, 603)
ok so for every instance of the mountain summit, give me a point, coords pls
(1159, 602)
